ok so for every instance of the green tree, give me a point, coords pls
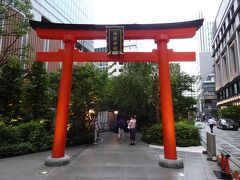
(136, 91)
(180, 82)
(37, 99)
(53, 87)
(87, 92)
(14, 24)
(131, 92)
(10, 90)
(232, 112)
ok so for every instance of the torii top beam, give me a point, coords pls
(59, 31)
(176, 30)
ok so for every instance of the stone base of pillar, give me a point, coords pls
(170, 163)
(57, 161)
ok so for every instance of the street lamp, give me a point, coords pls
(115, 112)
(115, 118)
(91, 111)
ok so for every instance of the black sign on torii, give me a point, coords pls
(115, 39)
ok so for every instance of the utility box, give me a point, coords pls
(211, 145)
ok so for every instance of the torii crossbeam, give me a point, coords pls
(161, 33)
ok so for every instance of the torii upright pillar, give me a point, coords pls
(161, 33)
(170, 154)
(58, 157)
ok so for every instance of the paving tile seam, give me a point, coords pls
(206, 169)
(155, 155)
(77, 154)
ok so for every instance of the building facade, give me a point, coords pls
(205, 37)
(73, 12)
(226, 53)
(192, 93)
(11, 43)
(115, 68)
(56, 11)
(205, 71)
(206, 104)
(101, 66)
(209, 98)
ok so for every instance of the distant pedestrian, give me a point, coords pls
(132, 129)
(120, 125)
(211, 123)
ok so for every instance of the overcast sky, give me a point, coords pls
(156, 11)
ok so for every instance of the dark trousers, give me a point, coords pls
(132, 134)
(211, 127)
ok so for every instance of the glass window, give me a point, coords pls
(219, 75)
(233, 58)
(225, 68)
(238, 87)
(223, 94)
(231, 91)
(232, 10)
(235, 88)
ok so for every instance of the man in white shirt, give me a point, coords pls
(211, 123)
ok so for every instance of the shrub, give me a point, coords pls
(186, 134)
(9, 134)
(41, 140)
(8, 150)
(27, 128)
(153, 135)
(2, 123)
(23, 139)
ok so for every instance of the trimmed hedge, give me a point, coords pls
(186, 134)
(33, 137)
(8, 150)
(23, 139)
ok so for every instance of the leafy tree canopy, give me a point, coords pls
(14, 24)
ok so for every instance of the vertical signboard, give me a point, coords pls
(115, 39)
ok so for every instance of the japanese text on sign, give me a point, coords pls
(114, 39)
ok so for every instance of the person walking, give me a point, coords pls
(120, 125)
(211, 123)
(132, 129)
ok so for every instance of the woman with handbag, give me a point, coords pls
(132, 129)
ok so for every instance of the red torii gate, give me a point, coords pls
(161, 33)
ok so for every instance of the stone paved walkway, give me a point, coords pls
(109, 160)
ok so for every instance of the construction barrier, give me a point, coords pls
(225, 162)
(236, 175)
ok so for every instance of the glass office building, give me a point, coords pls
(65, 11)
(55, 11)
(60, 11)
